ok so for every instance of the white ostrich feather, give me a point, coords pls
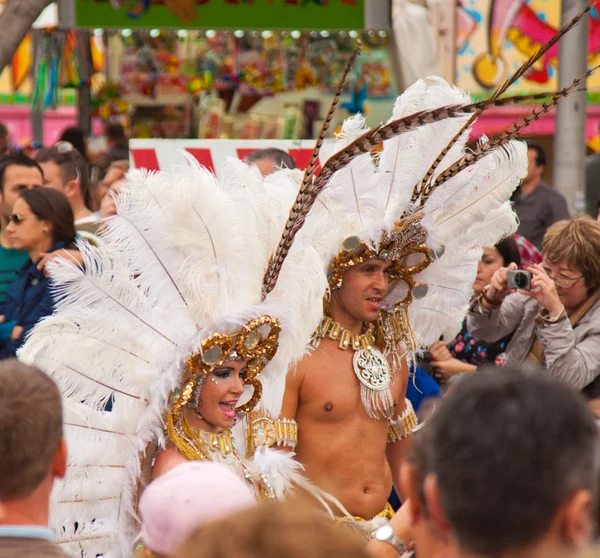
(183, 259)
(406, 158)
(500, 176)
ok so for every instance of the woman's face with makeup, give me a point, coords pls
(220, 394)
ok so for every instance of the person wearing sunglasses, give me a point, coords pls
(556, 323)
(18, 172)
(66, 170)
(41, 222)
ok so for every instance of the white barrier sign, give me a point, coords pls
(162, 154)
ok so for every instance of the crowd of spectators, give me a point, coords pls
(505, 466)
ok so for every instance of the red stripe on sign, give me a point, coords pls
(203, 156)
(145, 159)
(302, 158)
(243, 152)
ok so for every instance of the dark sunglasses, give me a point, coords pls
(16, 218)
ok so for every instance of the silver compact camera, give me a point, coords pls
(518, 279)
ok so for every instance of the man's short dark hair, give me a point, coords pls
(280, 158)
(72, 167)
(540, 153)
(508, 450)
(18, 159)
(31, 428)
(3, 130)
(115, 132)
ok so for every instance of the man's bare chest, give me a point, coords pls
(331, 390)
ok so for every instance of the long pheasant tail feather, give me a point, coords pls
(369, 140)
(305, 199)
(422, 186)
(543, 50)
(327, 122)
(503, 138)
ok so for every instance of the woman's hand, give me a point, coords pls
(498, 290)
(16, 332)
(74, 256)
(543, 289)
(439, 351)
(444, 369)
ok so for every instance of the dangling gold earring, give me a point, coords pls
(326, 307)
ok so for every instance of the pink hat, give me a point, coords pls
(191, 494)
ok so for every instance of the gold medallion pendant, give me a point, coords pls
(373, 373)
(372, 369)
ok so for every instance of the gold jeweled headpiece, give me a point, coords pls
(408, 237)
(400, 246)
(249, 344)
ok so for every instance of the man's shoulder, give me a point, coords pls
(548, 193)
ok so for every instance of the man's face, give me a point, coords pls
(363, 289)
(534, 172)
(53, 176)
(17, 179)
(265, 166)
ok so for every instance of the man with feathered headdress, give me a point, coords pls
(399, 243)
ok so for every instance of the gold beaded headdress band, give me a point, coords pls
(249, 344)
(408, 237)
(397, 246)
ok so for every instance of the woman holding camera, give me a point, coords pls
(465, 352)
(555, 321)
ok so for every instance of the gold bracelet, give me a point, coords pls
(274, 432)
(404, 425)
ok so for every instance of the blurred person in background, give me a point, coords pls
(536, 203)
(17, 173)
(556, 324)
(3, 139)
(514, 467)
(117, 145)
(34, 455)
(270, 160)
(108, 207)
(428, 540)
(65, 170)
(186, 497)
(41, 222)
(116, 172)
(274, 530)
(465, 353)
(77, 139)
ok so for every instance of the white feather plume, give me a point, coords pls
(183, 258)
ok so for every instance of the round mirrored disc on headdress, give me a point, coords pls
(252, 339)
(212, 356)
(420, 290)
(351, 243)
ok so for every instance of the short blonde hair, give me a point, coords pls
(30, 428)
(273, 530)
(576, 241)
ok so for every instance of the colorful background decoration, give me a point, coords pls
(496, 36)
